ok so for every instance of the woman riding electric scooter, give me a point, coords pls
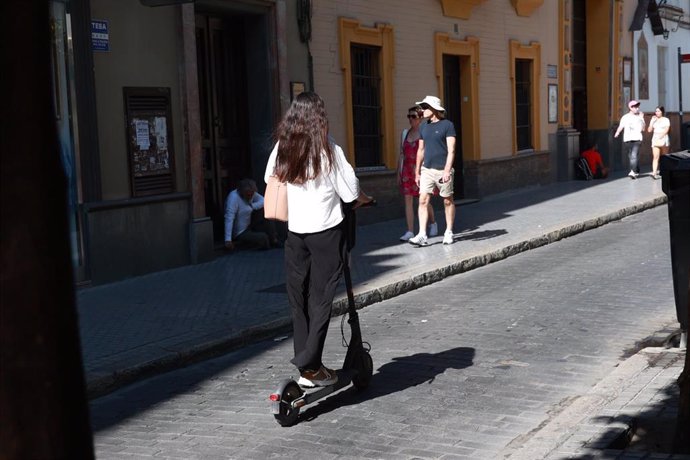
(318, 177)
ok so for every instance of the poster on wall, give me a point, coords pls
(149, 140)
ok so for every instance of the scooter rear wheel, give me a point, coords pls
(288, 415)
(365, 370)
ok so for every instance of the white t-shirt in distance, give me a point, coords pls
(633, 125)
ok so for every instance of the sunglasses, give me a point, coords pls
(412, 116)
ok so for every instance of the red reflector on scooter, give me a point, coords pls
(274, 397)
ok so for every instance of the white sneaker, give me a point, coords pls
(632, 174)
(433, 229)
(448, 237)
(419, 240)
(321, 378)
(408, 234)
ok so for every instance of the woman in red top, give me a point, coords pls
(406, 173)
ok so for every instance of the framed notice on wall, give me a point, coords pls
(627, 70)
(553, 103)
(627, 97)
(149, 140)
(296, 88)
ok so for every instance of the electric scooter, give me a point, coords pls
(358, 367)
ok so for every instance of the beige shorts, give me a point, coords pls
(429, 181)
(660, 141)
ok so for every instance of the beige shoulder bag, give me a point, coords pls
(275, 200)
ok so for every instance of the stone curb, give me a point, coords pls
(104, 384)
(573, 416)
(395, 289)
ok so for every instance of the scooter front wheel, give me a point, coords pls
(365, 370)
(287, 415)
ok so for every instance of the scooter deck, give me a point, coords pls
(313, 394)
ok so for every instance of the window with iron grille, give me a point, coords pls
(523, 104)
(366, 105)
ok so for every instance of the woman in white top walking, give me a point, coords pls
(318, 177)
(659, 125)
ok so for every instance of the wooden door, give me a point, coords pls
(451, 96)
(223, 105)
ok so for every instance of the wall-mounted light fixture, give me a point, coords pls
(670, 13)
(677, 18)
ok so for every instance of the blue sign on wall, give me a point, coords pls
(100, 39)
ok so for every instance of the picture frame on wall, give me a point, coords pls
(627, 95)
(296, 88)
(627, 70)
(553, 103)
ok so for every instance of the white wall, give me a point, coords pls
(679, 38)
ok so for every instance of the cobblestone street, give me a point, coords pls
(464, 368)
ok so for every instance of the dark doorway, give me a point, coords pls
(579, 69)
(523, 105)
(222, 74)
(366, 104)
(451, 94)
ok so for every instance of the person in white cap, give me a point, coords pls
(632, 124)
(434, 169)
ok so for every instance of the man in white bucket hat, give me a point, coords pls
(435, 156)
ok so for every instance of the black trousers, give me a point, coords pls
(313, 265)
(261, 232)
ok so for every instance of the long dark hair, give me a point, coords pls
(302, 137)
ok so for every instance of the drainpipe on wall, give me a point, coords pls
(304, 23)
(613, 65)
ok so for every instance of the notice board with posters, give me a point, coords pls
(149, 140)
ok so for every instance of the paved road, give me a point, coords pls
(464, 368)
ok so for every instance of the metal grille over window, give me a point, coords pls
(523, 104)
(149, 141)
(366, 105)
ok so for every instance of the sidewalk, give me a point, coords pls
(149, 324)
(630, 414)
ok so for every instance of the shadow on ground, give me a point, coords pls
(397, 375)
(652, 433)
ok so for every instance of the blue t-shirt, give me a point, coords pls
(435, 146)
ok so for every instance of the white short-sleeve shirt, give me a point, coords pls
(633, 125)
(315, 205)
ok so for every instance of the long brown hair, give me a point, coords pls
(302, 137)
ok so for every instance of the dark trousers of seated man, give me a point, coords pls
(261, 233)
